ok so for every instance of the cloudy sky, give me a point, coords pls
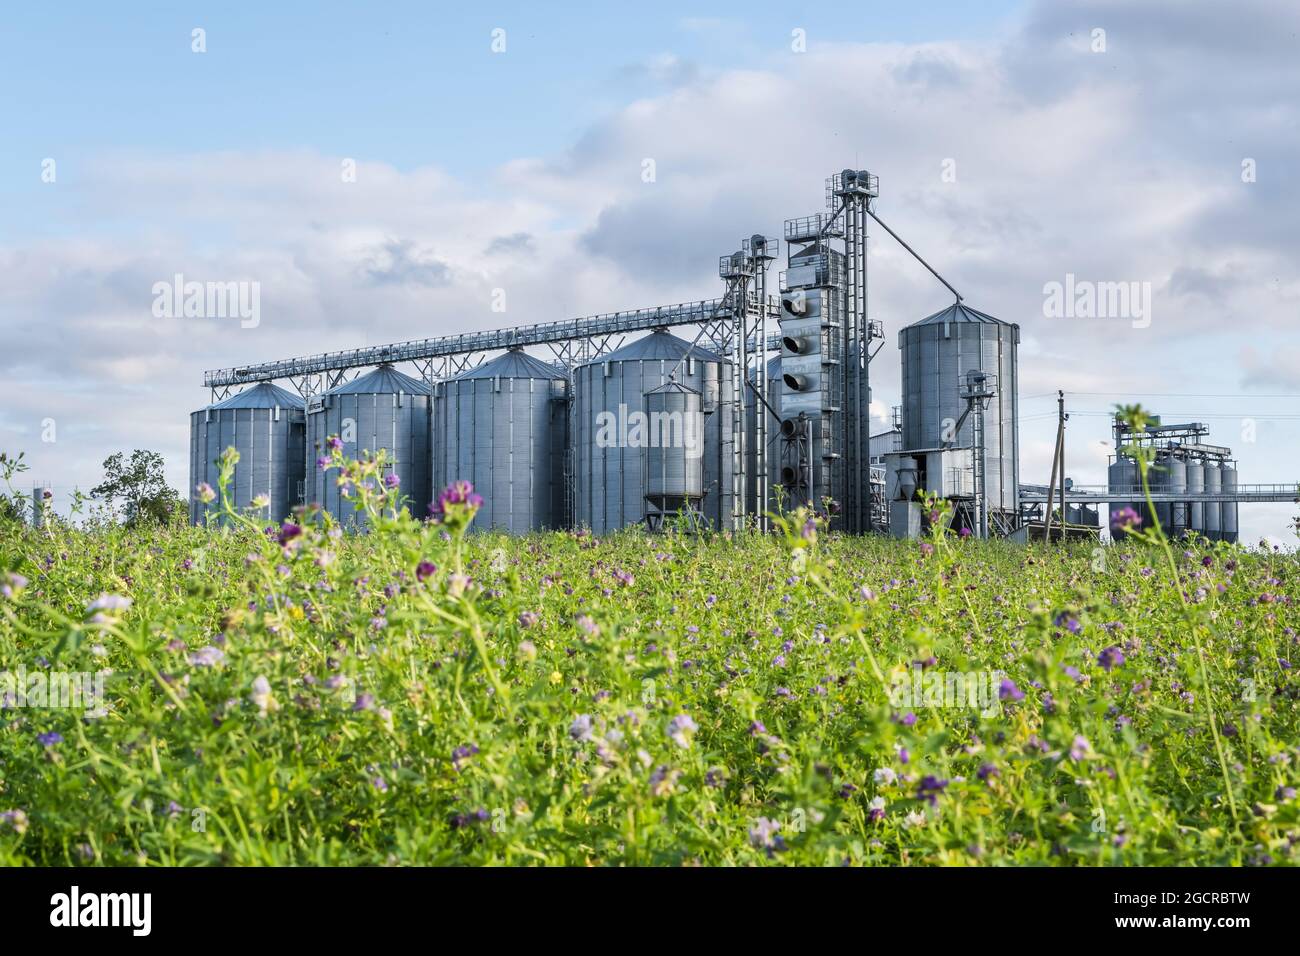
(1150, 142)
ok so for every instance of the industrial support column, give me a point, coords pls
(762, 251)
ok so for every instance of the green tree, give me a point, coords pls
(138, 486)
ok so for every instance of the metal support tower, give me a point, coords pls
(762, 250)
(737, 270)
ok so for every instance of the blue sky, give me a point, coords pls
(408, 83)
(522, 171)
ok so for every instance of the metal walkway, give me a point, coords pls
(611, 323)
(1091, 494)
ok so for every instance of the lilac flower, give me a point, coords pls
(1110, 658)
(680, 729)
(764, 835)
(13, 583)
(207, 657)
(580, 729)
(108, 602)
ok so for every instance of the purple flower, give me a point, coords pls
(335, 443)
(987, 772)
(1069, 622)
(424, 570)
(207, 657)
(457, 493)
(288, 532)
(322, 463)
(461, 755)
(528, 619)
(1124, 519)
(1008, 690)
(1110, 658)
(392, 480)
(1080, 748)
(929, 788)
(927, 549)
(50, 739)
(364, 702)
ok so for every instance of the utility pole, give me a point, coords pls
(1061, 419)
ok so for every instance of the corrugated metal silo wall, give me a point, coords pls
(270, 445)
(610, 482)
(1213, 509)
(671, 470)
(935, 359)
(508, 437)
(398, 423)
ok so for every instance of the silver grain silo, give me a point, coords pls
(382, 409)
(1213, 486)
(265, 425)
(503, 426)
(1122, 478)
(1169, 477)
(609, 398)
(674, 453)
(1196, 486)
(1228, 509)
(937, 353)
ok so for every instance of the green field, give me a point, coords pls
(420, 695)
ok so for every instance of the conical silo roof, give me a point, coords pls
(385, 380)
(262, 395)
(513, 364)
(658, 345)
(957, 312)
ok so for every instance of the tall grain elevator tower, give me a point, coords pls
(825, 339)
